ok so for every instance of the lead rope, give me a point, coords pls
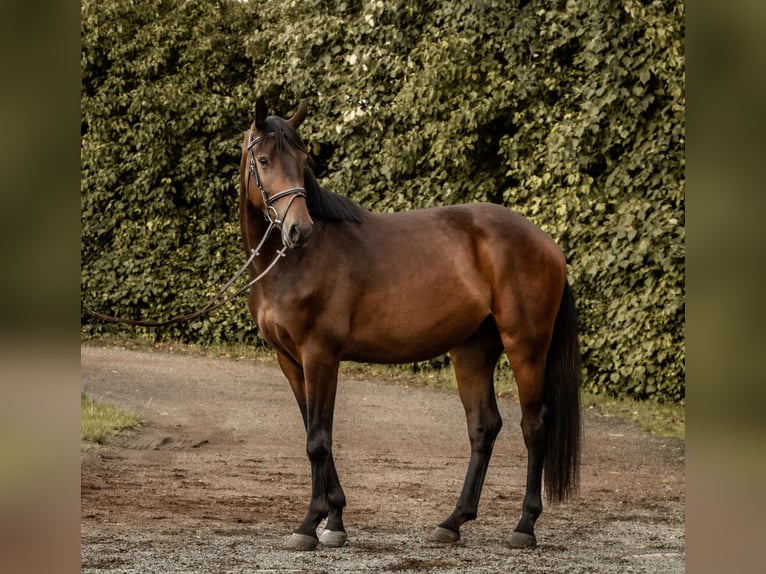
(216, 301)
(219, 298)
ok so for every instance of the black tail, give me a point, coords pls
(563, 376)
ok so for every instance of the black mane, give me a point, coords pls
(324, 204)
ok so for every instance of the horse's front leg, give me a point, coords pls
(318, 380)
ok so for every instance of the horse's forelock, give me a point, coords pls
(286, 138)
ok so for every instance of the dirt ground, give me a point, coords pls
(216, 479)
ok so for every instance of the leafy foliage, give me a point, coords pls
(165, 99)
(571, 114)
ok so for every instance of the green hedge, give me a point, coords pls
(166, 90)
(572, 115)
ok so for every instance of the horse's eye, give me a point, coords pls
(263, 161)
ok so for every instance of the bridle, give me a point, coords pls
(271, 214)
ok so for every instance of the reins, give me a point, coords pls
(275, 221)
(217, 301)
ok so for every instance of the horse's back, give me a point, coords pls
(504, 246)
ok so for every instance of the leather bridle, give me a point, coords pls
(271, 213)
(272, 216)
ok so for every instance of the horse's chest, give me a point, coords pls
(268, 320)
(277, 323)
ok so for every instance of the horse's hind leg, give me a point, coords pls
(530, 376)
(474, 362)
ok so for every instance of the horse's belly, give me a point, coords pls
(414, 329)
(402, 351)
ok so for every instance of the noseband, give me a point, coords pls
(271, 214)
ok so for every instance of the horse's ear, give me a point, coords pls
(261, 113)
(299, 115)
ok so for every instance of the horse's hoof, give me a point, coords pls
(301, 542)
(333, 538)
(522, 540)
(443, 536)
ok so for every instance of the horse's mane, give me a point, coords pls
(330, 206)
(322, 204)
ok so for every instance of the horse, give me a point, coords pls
(472, 280)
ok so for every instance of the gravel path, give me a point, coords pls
(216, 479)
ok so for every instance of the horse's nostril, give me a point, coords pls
(297, 235)
(294, 234)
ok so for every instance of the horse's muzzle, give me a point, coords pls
(297, 235)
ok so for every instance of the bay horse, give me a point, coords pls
(470, 280)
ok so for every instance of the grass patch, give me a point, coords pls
(99, 421)
(146, 342)
(662, 419)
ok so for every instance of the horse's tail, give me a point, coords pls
(563, 376)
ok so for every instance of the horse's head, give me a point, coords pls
(275, 158)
